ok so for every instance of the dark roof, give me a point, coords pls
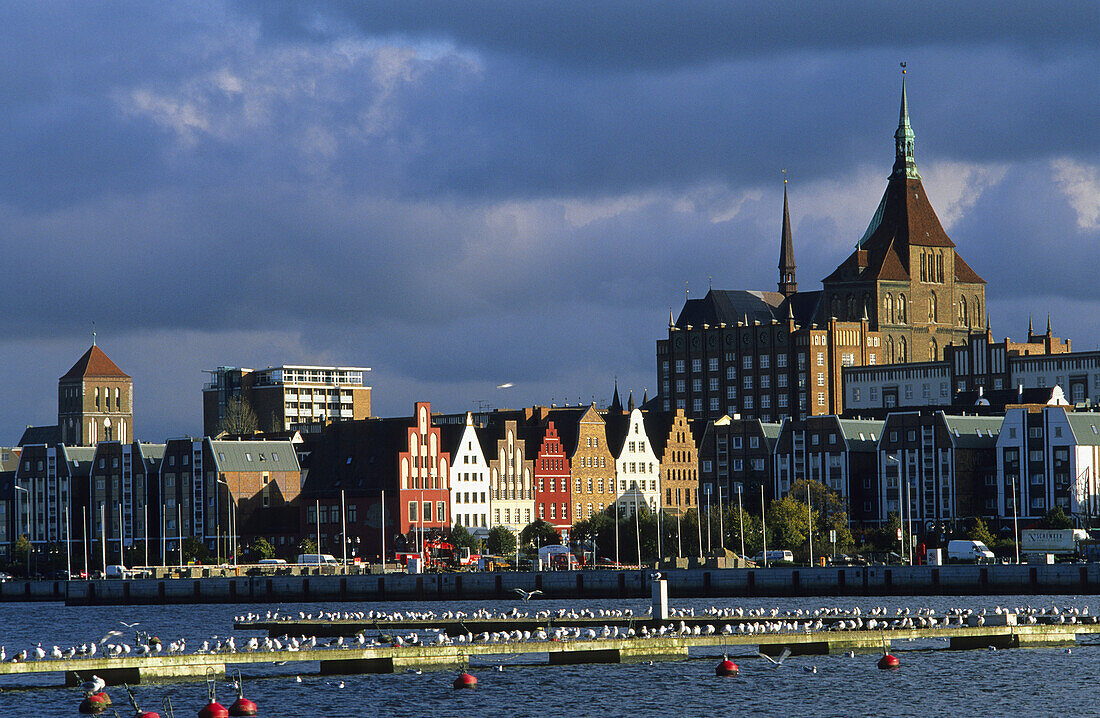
(567, 423)
(95, 363)
(358, 456)
(729, 307)
(616, 427)
(658, 426)
(904, 217)
(450, 437)
(48, 435)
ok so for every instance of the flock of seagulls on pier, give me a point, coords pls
(688, 622)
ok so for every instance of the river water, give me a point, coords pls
(931, 682)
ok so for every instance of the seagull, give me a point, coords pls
(505, 385)
(131, 626)
(782, 657)
(109, 636)
(656, 575)
(526, 595)
(95, 685)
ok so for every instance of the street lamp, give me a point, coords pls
(893, 459)
(232, 518)
(29, 544)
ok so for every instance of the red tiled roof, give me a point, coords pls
(95, 363)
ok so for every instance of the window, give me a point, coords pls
(712, 364)
(413, 514)
(731, 392)
(731, 372)
(855, 393)
(697, 405)
(714, 383)
(680, 386)
(821, 379)
(679, 366)
(737, 442)
(781, 361)
(747, 382)
(765, 361)
(714, 406)
(821, 359)
(765, 382)
(754, 442)
(696, 366)
(746, 362)
(781, 381)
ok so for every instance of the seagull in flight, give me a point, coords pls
(782, 657)
(526, 595)
(505, 385)
(109, 636)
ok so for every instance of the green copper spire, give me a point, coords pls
(904, 163)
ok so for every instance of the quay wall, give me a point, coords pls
(600, 584)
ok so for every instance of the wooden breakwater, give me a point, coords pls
(1013, 579)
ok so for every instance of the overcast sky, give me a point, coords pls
(460, 195)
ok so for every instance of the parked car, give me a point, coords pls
(774, 556)
(4, 577)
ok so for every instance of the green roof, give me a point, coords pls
(974, 432)
(860, 434)
(1086, 427)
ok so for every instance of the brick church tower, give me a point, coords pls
(905, 274)
(95, 401)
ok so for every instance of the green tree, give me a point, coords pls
(733, 519)
(980, 532)
(307, 545)
(501, 541)
(261, 548)
(788, 526)
(460, 537)
(19, 552)
(539, 533)
(1056, 519)
(195, 550)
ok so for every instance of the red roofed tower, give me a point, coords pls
(95, 401)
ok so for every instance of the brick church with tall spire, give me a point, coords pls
(902, 295)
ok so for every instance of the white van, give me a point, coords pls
(968, 551)
(775, 555)
(317, 559)
(272, 562)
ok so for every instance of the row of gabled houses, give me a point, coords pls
(357, 486)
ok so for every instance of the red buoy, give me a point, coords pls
(888, 661)
(242, 707)
(147, 714)
(94, 704)
(726, 668)
(213, 709)
(465, 680)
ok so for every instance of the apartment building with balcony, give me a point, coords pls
(285, 398)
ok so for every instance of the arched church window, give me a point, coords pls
(901, 350)
(933, 310)
(933, 350)
(851, 307)
(963, 318)
(888, 308)
(901, 309)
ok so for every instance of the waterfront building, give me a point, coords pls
(123, 504)
(50, 493)
(591, 464)
(637, 470)
(968, 372)
(551, 474)
(511, 475)
(838, 453)
(95, 402)
(1048, 459)
(934, 468)
(8, 529)
(213, 491)
(285, 397)
(736, 456)
(470, 486)
(673, 444)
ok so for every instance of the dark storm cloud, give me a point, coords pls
(460, 195)
(674, 33)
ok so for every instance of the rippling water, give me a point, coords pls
(932, 681)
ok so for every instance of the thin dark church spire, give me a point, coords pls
(787, 283)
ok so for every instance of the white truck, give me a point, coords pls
(968, 551)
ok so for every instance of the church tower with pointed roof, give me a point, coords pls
(905, 274)
(787, 283)
(95, 401)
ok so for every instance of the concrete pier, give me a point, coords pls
(389, 659)
(960, 579)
